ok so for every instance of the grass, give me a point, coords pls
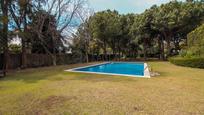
(51, 90)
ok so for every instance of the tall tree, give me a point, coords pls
(82, 40)
(99, 31)
(175, 25)
(20, 12)
(114, 32)
(143, 31)
(106, 27)
(4, 37)
(127, 38)
(51, 37)
(65, 12)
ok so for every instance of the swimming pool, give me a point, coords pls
(131, 69)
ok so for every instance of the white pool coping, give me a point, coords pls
(146, 70)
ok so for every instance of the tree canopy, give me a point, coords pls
(158, 32)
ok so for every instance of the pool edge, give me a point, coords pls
(72, 70)
(146, 71)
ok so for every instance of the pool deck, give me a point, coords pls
(146, 71)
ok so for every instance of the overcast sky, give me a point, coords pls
(125, 6)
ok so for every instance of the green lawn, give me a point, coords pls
(51, 90)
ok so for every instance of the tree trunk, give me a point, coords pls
(54, 60)
(105, 54)
(168, 46)
(105, 51)
(119, 54)
(136, 54)
(145, 49)
(129, 53)
(114, 48)
(87, 57)
(169, 37)
(4, 7)
(119, 51)
(161, 48)
(159, 45)
(145, 54)
(23, 56)
(6, 60)
(113, 53)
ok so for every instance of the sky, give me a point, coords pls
(124, 6)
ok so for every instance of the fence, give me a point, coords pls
(40, 60)
(1, 61)
(37, 60)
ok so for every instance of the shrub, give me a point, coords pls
(183, 53)
(195, 62)
(188, 54)
(193, 55)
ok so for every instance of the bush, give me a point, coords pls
(193, 55)
(187, 54)
(195, 62)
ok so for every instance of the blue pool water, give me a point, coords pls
(122, 68)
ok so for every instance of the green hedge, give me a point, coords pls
(196, 42)
(195, 62)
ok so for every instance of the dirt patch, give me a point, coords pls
(138, 108)
(49, 106)
(55, 101)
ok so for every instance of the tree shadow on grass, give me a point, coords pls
(32, 75)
